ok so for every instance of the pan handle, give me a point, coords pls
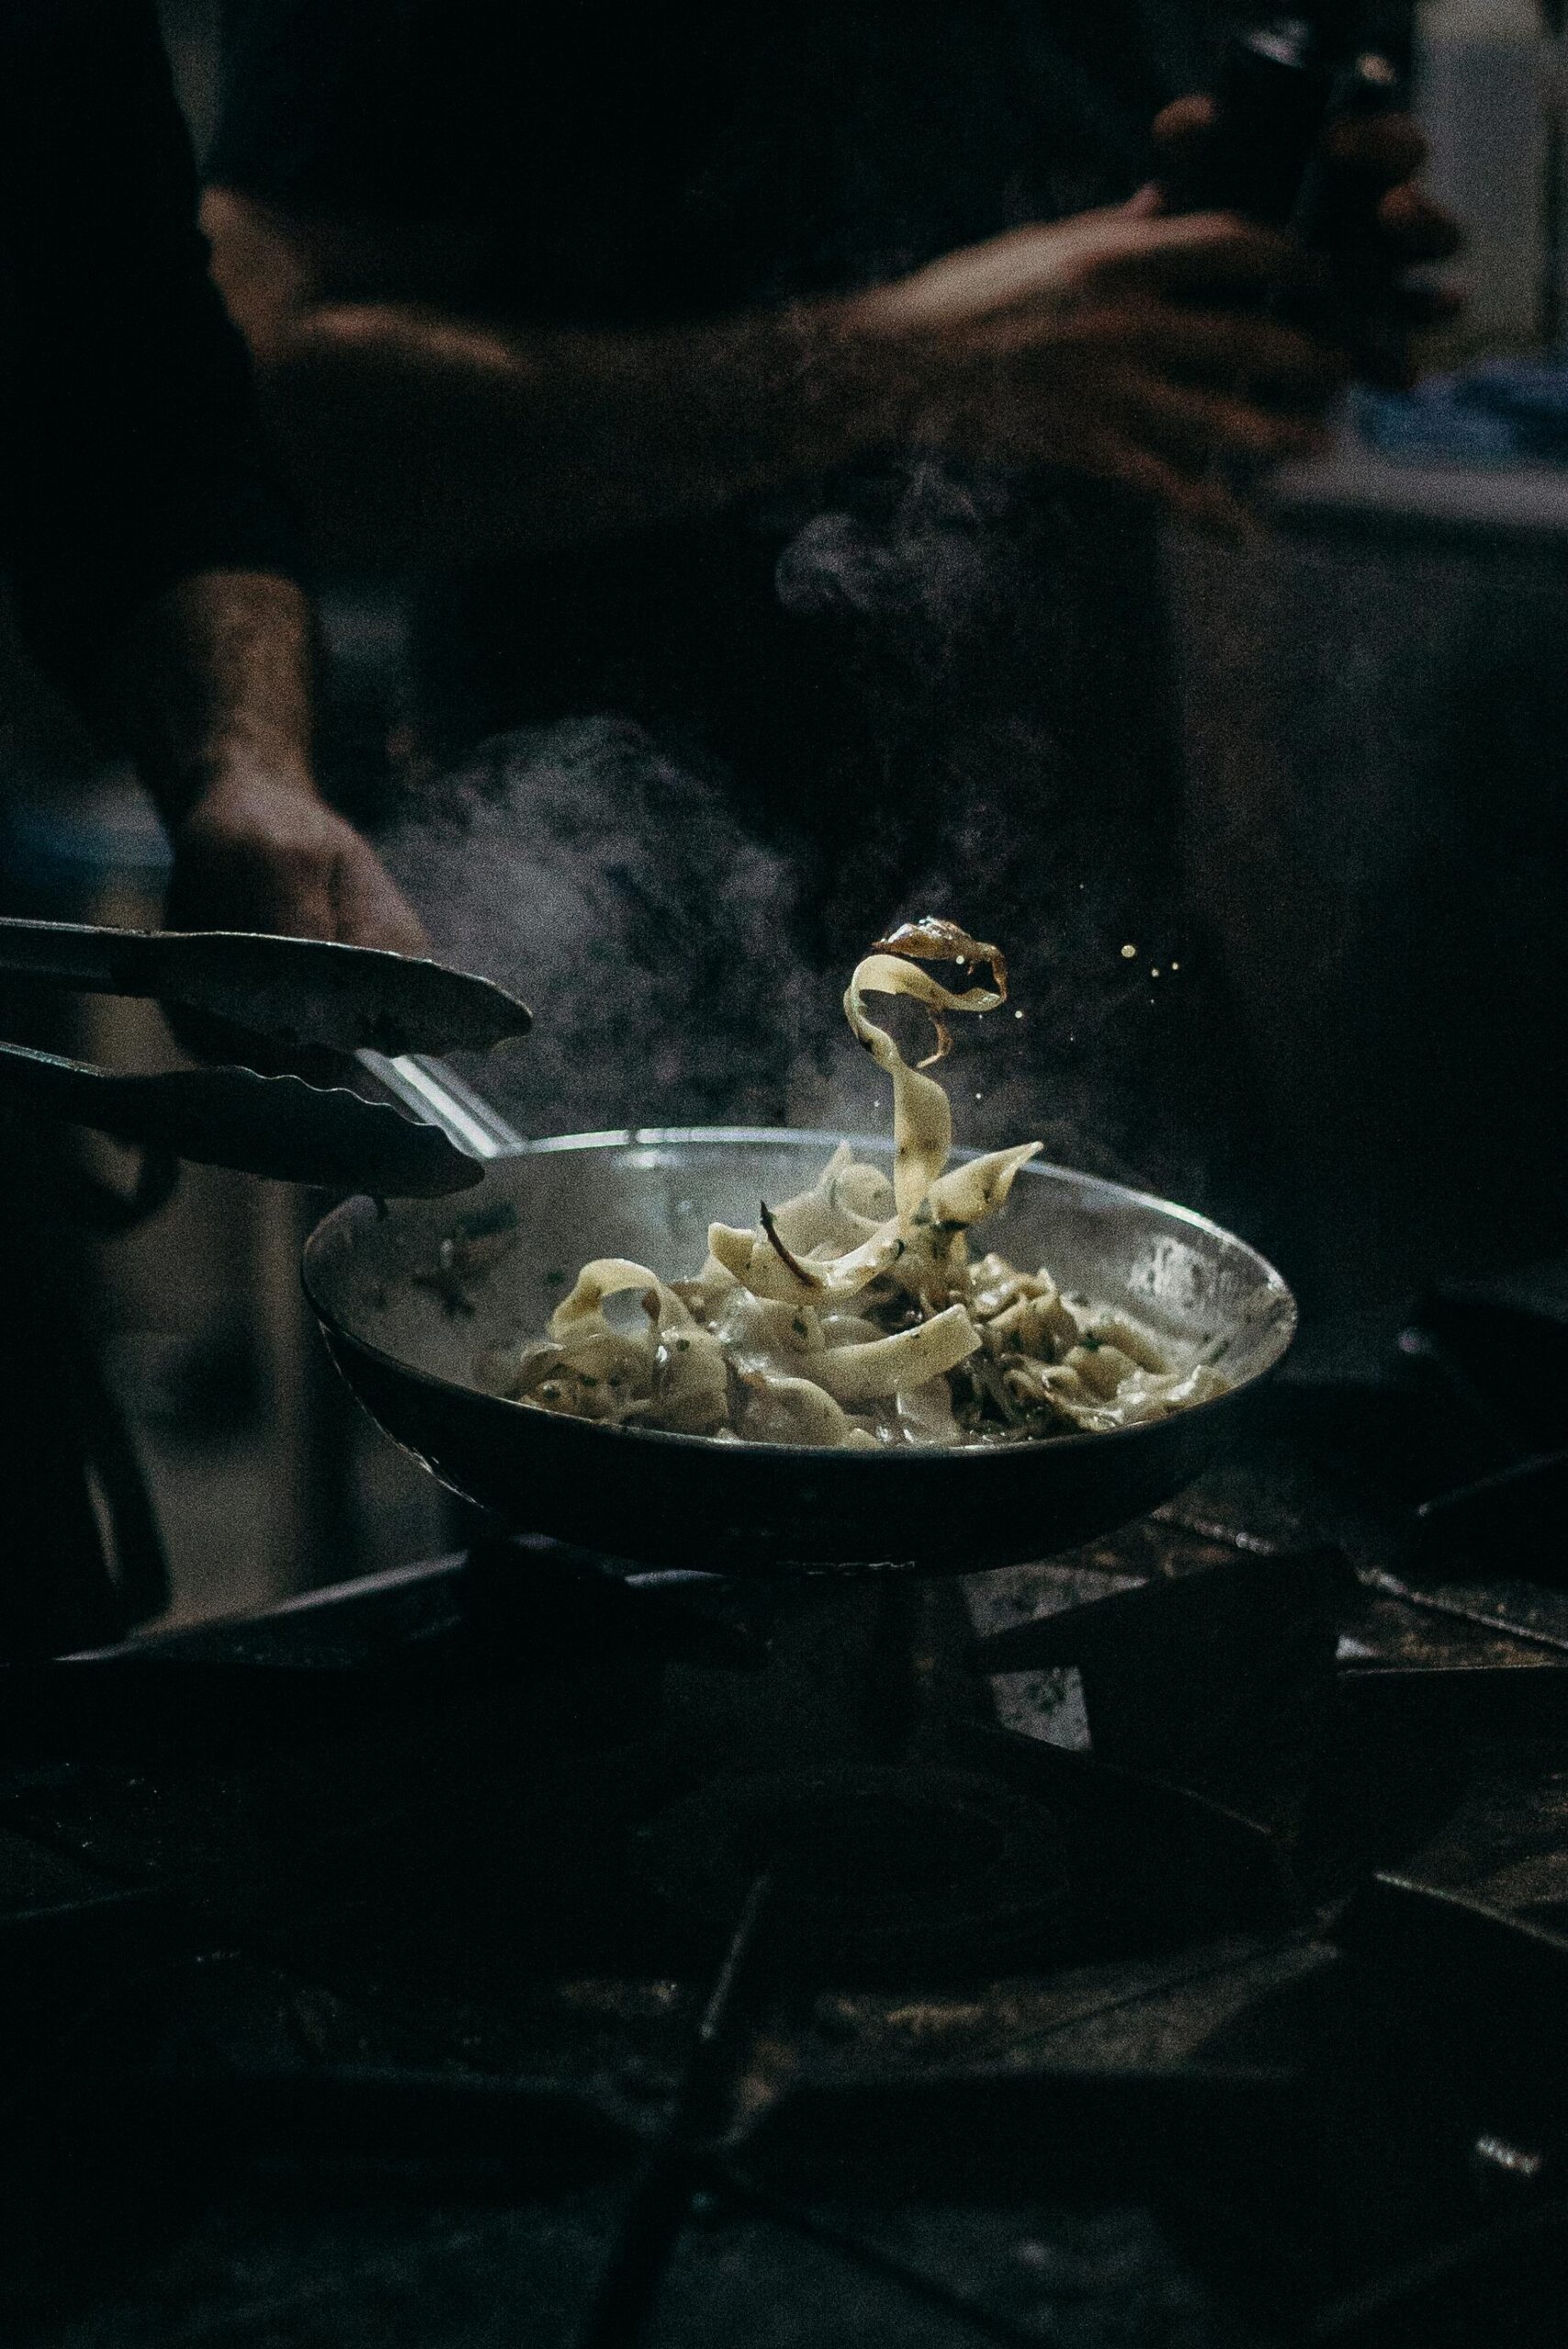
(438, 1095)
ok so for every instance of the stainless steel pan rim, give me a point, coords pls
(376, 1282)
(1276, 1308)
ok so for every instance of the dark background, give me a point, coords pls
(1374, 712)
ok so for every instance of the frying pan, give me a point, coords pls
(407, 1294)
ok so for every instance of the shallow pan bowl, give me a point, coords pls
(404, 1328)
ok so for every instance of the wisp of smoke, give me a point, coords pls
(996, 640)
(685, 968)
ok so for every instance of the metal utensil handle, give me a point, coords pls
(277, 1127)
(57, 953)
(295, 990)
(438, 1096)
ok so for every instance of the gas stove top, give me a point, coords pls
(1164, 1944)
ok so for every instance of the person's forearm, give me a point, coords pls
(211, 686)
(409, 435)
(212, 682)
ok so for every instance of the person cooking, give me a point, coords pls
(152, 577)
(778, 408)
(150, 565)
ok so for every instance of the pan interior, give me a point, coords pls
(432, 1282)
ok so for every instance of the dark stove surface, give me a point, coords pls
(1163, 1946)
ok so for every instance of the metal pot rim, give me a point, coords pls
(1277, 1305)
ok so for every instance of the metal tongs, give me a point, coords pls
(387, 1009)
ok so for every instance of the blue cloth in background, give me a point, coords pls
(1499, 411)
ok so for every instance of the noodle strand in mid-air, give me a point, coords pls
(852, 1315)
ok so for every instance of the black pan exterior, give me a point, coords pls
(737, 1509)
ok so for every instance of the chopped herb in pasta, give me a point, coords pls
(855, 1315)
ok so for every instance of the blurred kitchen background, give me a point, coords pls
(1377, 722)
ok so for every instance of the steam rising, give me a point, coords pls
(969, 715)
(622, 899)
(686, 965)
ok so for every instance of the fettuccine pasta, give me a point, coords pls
(854, 1315)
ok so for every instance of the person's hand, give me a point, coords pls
(1123, 344)
(256, 853)
(1380, 225)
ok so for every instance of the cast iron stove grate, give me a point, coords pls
(519, 1950)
